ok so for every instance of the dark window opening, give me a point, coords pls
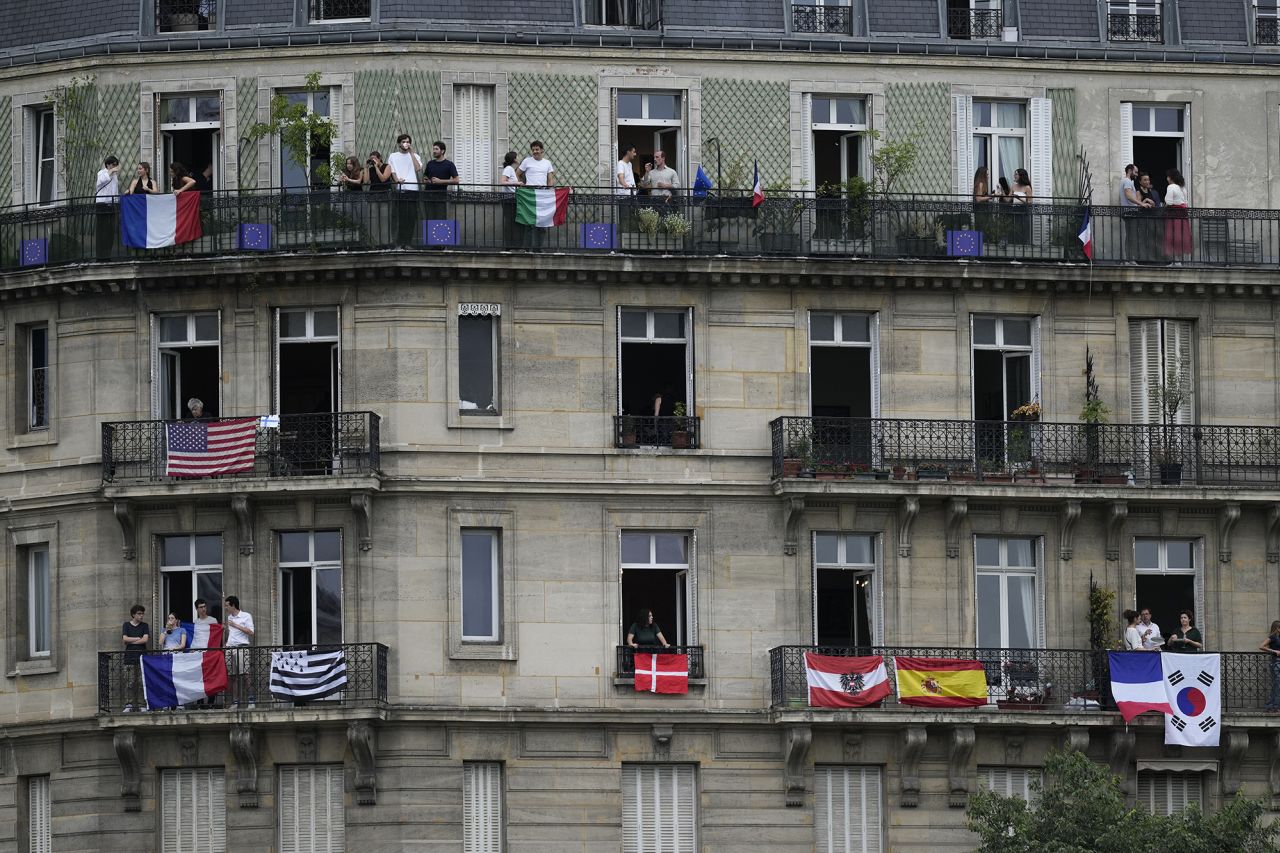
(844, 608)
(339, 10)
(841, 378)
(640, 14)
(1164, 596)
(187, 372)
(477, 365)
(664, 591)
(1156, 155)
(653, 369)
(194, 149)
(308, 378)
(37, 385)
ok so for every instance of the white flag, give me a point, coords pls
(1193, 684)
(308, 674)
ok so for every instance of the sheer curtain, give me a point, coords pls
(1010, 156)
(1027, 594)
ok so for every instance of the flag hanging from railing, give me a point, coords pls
(1193, 684)
(179, 678)
(1086, 235)
(845, 682)
(308, 673)
(662, 673)
(1136, 684)
(205, 448)
(155, 221)
(542, 207)
(941, 682)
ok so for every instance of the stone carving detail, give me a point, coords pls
(360, 737)
(1234, 747)
(244, 743)
(1076, 738)
(187, 749)
(792, 511)
(124, 516)
(244, 520)
(1228, 515)
(661, 735)
(959, 769)
(908, 509)
(1122, 744)
(797, 750)
(308, 746)
(1116, 514)
(125, 742)
(1067, 532)
(853, 747)
(913, 741)
(957, 509)
(362, 503)
(1013, 749)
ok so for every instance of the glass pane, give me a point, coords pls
(206, 327)
(326, 323)
(328, 546)
(1022, 611)
(850, 111)
(630, 105)
(295, 548)
(668, 324)
(209, 587)
(1146, 554)
(209, 550)
(208, 108)
(475, 364)
(328, 605)
(1180, 555)
(822, 327)
(989, 611)
(477, 584)
(46, 135)
(855, 328)
(293, 324)
(984, 330)
(39, 589)
(1011, 115)
(988, 551)
(296, 98)
(981, 152)
(1169, 119)
(1141, 119)
(175, 551)
(825, 546)
(635, 548)
(670, 548)
(175, 110)
(664, 106)
(821, 110)
(39, 337)
(857, 550)
(1017, 333)
(982, 114)
(1021, 553)
(634, 325)
(173, 329)
(320, 103)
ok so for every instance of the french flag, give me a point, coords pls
(1086, 235)
(757, 188)
(1137, 684)
(154, 221)
(179, 678)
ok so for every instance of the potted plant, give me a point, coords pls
(796, 457)
(918, 236)
(676, 226)
(1093, 413)
(899, 472)
(933, 471)
(648, 221)
(1169, 397)
(777, 219)
(680, 433)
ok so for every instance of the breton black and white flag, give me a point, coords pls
(308, 674)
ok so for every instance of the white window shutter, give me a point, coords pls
(39, 815)
(962, 143)
(482, 807)
(1042, 148)
(659, 808)
(1126, 139)
(1180, 352)
(1009, 781)
(1144, 370)
(336, 828)
(483, 166)
(193, 811)
(806, 140)
(847, 809)
(875, 365)
(464, 131)
(310, 808)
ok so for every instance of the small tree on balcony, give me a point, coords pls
(79, 148)
(300, 131)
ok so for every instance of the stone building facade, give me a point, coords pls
(517, 726)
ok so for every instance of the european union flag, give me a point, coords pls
(255, 236)
(598, 235)
(701, 183)
(440, 232)
(964, 244)
(34, 253)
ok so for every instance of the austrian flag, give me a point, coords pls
(662, 673)
(542, 207)
(845, 682)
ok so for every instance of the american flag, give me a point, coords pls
(308, 674)
(202, 449)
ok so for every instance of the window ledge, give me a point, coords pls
(457, 420)
(35, 438)
(35, 666)
(483, 651)
(631, 682)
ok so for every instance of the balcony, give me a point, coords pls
(186, 16)
(1034, 453)
(666, 431)
(1267, 30)
(326, 444)
(627, 660)
(1135, 28)
(119, 682)
(974, 23)
(823, 20)
(1025, 679)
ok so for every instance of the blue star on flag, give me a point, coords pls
(255, 236)
(34, 252)
(440, 232)
(598, 235)
(964, 244)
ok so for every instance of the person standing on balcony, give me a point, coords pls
(659, 178)
(174, 639)
(405, 166)
(509, 182)
(106, 197)
(143, 183)
(1022, 200)
(136, 636)
(1186, 639)
(239, 638)
(1149, 632)
(1132, 639)
(536, 170)
(1271, 645)
(180, 179)
(1148, 204)
(202, 618)
(624, 174)
(1177, 227)
(644, 632)
(1129, 202)
(440, 174)
(380, 178)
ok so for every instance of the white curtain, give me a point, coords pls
(1011, 157)
(1027, 594)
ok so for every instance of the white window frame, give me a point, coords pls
(1162, 568)
(333, 115)
(299, 824)
(193, 568)
(309, 337)
(1011, 781)
(643, 118)
(872, 343)
(815, 123)
(1157, 790)
(651, 338)
(38, 417)
(43, 121)
(1127, 131)
(838, 826)
(1003, 571)
(677, 155)
(158, 347)
(874, 569)
(314, 564)
(492, 310)
(495, 581)
(502, 522)
(690, 580)
(659, 808)
(191, 123)
(39, 817)
(1006, 349)
(39, 606)
(193, 810)
(993, 133)
(1037, 148)
(482, 807)
(631, 16)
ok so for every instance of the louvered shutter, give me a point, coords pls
(311, 809)
(962, 144)
(847, 809)
(193, 811)
(473, 133)
(483, 165)
(1144, 370)
(334, 838)
(1126, 139)
(1164, 793)
(1179, 353)
(659, 808)
(806, 139)
(875, 366)
(155, 367)
(1042, 148)
(39, 810)
(482, 807)
(1009, 781)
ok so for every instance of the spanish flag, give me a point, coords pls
(941, 682)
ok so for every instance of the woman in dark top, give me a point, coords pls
(380, 177)
(645, 632)
(351, 178)
(143, 184)
(1271, 645)
(1186, 639)
(180, 179)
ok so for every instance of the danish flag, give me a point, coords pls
(662, 673)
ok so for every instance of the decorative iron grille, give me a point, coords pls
(664, 431)
(39, 418)
(322, 444)
(1137, 28)
(627, 659)
(1267, 30)
(120, 678)
(186, 16)
(833, 20)
(974, 23)
(338, 10)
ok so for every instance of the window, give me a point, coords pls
(184, 16)
(1161, 357)
(1155, 137)
(1266, 14)
(37, 370)
(308, 361)
(1003, 136)
(1169, 578)
(639, 14)
(655, 366)
(1000, 138)
(973, 19)
(656, 576)
(844, 381)
(311, 588)
(1010, 609)
(190, 568)
(38, 816)
(310, 809)
(1166, 793)
(822, 16)
(43, 176)
(652, 121)
(839, 140)
(847, 809)
(191, 134)
(1006, 376)
(659, 808)
(293, 177)
(1134, 20)
(481, 620)
(478, 358)
(39, 602)
(473, 133)
(193, 816)
(847, 599)
(339, 10)
(482, 807)
(186, 362)
(1010, 781)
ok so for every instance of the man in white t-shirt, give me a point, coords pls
(624, 177)
(536, 170)
(405, 165)
(202, 617)
(106, 195)
(1149, 631)
(239, 627)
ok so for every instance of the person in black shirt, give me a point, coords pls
(438, 174)
(645, 632)
(136, 636)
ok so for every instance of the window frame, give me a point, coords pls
(192, 340)
(491, 819)
(214, 8)
(505, 416)
(1033, 349)
(1003, 571)
(494, 579)
(1014, 778)
(194, 568)
(689, 567)
(670, 795)
(35, 812)
(36, 649)
(1152, 780)
(875, 569)
(1197, 570)
(502, 522)
(308, 337)
(334, 802)
(37, 422)
(312, 18)
(632, 22)
(650, 338)
(871, 838)
(492, 311)
(993, 133)
(42, 121)
(314, 565)
(19, 659)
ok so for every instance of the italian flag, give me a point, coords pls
(542, 207)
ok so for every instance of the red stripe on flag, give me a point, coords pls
(230, 447)
(562, 205)
(936, 664)
(822, 698)
(942, 701)
(188, 218)
(214, 667)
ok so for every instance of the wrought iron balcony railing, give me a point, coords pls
(1027, 679)
(665, 431)
(833, 20)
(184, 16)
(974, 23)
(1267, 30)
(795, 224)
(249, 667)
(321, 444)
(627, 659)
(339, 10)
(1032, 452)
(1139, 28)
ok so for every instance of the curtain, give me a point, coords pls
(1027, 595)
(1011, 157)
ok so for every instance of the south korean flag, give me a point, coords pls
(1193, 684)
